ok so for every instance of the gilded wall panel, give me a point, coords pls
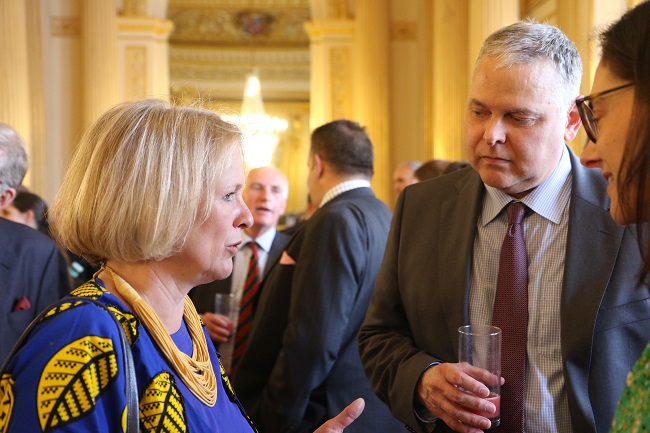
(67, 27)
(135, 73)
(340, 87)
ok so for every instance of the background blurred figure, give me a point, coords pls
(616, 117)
(454, 166)
(404, 175)
(302, 362)
(265, 194)
(32, 269)
(29, 209)
(430, 169)
(301, 217)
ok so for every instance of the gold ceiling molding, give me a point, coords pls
(182, 72)
(240, 56)
(229, 22)
(258, 4)
(158, 27)
(232, 65)
(134, 8)
(337, 9)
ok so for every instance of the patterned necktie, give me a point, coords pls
(251, 286)
(511, 315)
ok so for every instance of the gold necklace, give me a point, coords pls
(196, 371)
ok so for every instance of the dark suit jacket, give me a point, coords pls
(302, 365)
(203, 296)
(31, 266)
(421, 296)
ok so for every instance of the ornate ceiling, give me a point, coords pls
(215, 43)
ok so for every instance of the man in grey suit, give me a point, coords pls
(302, 363)
(265, 195)
(33, 272)
(587, 316)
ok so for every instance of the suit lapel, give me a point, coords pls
(457, 231)
(586, 275)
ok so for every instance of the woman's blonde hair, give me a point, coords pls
(141, 178)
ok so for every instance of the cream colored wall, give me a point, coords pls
(409, 89)
(407, 82)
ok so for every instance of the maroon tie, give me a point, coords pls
(511, 315)
(251, 287)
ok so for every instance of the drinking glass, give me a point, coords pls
(480, 346)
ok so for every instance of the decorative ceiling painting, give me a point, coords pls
(215, 43)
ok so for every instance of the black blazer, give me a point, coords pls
(302, 366)
(31, 267)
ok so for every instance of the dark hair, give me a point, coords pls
(625, 52)
(454, 166)
(430, 169)
(345, 145)
(25, 201)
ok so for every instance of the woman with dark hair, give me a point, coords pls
(616, 117)
(29, 209)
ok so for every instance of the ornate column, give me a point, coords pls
(15, 107)
(372, 86)
(448, 73)
(486, 16)
(331, 50)
(143, 57)
(100, 65)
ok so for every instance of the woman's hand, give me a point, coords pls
(344, 419)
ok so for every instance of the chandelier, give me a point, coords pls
(259, 129)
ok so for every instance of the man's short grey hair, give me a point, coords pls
(13, 158)
(527, 42)
(413, 165)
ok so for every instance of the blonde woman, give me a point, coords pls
(154, 193)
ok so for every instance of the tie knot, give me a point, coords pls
(253, 246)
(516, 211)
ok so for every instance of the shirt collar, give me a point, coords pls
(264, 240)
(549, 199)
(342, 187)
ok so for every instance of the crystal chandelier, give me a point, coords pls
(260, 130)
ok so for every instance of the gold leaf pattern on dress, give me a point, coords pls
(161, 406)
(129, 322)
(226, 383)
(61, 308)
(89, 290)
(73, 379)
(6, 401)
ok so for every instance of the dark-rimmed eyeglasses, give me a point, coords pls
(587, 113)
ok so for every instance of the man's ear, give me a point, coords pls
(319, 165)
(573, 124)
(7, 196)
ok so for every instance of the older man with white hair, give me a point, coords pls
(33, 272)
(265, 195)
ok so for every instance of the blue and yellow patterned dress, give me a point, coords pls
(69, 377)
(633, 411)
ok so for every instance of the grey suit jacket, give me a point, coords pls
(421, 296)
(203, 296)
(302, 365)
